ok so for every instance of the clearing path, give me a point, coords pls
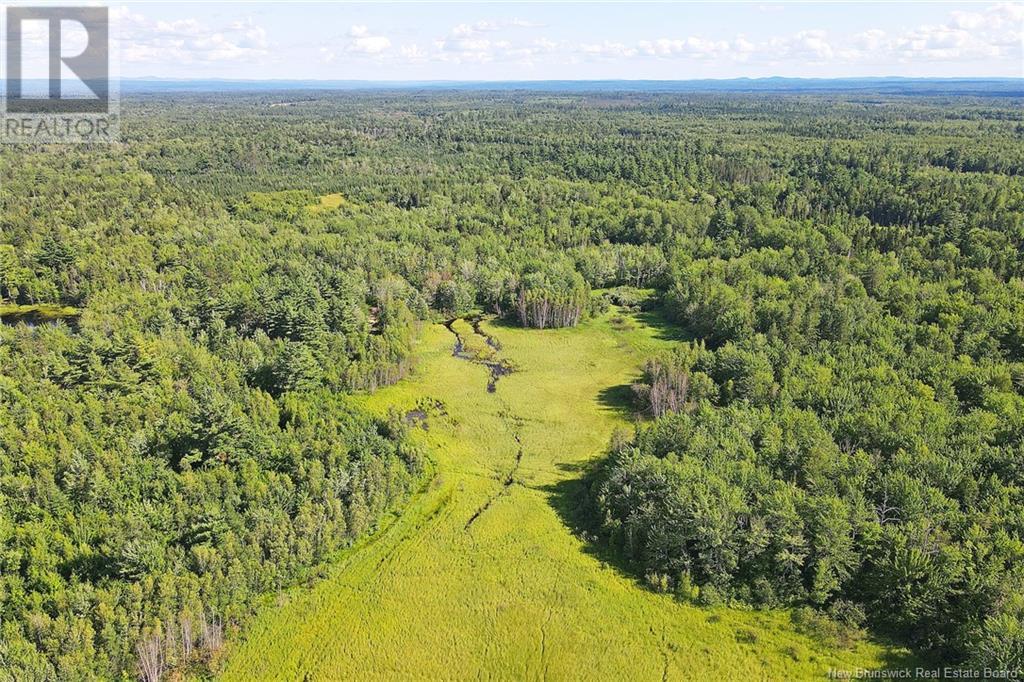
(481, 575)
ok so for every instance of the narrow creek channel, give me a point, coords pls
(497, 367)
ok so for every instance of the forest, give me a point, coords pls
(191, 316)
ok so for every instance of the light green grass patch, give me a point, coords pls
(42, 312)
(482, 577)
(328, 202)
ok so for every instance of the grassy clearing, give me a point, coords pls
(328, 202)
(481, 575)
(37, 314)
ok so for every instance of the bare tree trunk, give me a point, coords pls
(212, 634)
(151, 658)
(187, 635)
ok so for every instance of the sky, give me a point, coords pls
(552, 40)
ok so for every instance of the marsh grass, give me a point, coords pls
(474, 345)
(327, 202)
(42, 313)
(522, 591)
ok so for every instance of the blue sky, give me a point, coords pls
(485, 41)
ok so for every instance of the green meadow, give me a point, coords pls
(482, 576)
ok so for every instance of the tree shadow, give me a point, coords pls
(665, 330)
(505, 322)
(571, 500)
(617, 399)
(895, 659)
(91, 567)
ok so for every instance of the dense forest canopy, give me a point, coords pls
(185, 314)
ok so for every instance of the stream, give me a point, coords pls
(498, 367)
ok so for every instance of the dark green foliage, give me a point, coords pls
(859, 449)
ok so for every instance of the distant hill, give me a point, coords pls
(981, 87)
(975, 87)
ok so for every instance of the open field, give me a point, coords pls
(481, 577)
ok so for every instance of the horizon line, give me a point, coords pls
(568, 80)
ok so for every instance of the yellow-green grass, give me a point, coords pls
(331, 200)
(479, 578)
(328, 202)
(41, 312)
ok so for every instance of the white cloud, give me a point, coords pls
(490, 26)
(996, 33)
(870, 40)
(488, 40)
(981, 36)
(989, 33)
(358, 41)
(462, 30)
(327, 55)
(365, 43)
(813, 44)
(967, 20)
(698, 48)
(743, 46)
(528, 54)
(414, 54)
(189, 41)
(370, 45)
(473, 50)
(607, 50)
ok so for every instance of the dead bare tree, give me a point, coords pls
(150, 652)
(212, 635)
(186, 625)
